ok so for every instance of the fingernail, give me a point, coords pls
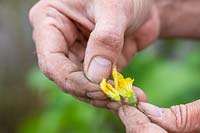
(150, 110)
(99, 68)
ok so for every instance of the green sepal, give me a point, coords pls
(132, 101)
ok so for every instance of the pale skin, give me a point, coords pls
(78, 42)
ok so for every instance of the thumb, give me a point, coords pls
(179, 118)
(105, 42)
(130, 116)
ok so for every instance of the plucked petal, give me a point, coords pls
(109, 90)
(124, 86)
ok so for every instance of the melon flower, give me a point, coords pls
(122, 85)
(122, 89)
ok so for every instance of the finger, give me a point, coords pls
(180, 118)
(96, 103)
(44, 14)
(106, 104)
(106, 41)
(136, 122)
(77, 84)
(79, 46)
(98, 95)
(52, 38)
(130, 116)
(49, 37)
(114, 106)
(140, 95)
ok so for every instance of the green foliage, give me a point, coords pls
(62, 113)
(166, 80)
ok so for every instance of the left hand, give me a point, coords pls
(79, 41)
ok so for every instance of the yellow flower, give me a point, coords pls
(109, 90)
(122, 85)
(122, 88)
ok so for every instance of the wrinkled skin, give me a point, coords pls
(149, 118)
(69, 34)
(182, 118)
(136, 122)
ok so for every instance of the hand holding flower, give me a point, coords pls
(122, 90)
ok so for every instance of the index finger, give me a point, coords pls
(136, 122)
(53, 32)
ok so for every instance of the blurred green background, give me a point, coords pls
(168, 72)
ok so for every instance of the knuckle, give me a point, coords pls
(73, 86)
(32, 13)
(45, 68)
(193, 116)
(38, 11)
(181, 114)
(65, 85)
(67, 88)
(109, 39)
(35, 11)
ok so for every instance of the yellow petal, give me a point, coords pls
(116, 76)
(124, 86)
(128, 87)
(109, 90)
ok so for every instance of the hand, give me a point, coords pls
(136, 122)
(79, 41)
(178, 119)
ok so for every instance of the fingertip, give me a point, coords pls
(150, 110)
(141, 96)
(98, 95)
(114, 105)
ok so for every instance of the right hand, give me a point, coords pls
(79, 41)
(136, 122)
